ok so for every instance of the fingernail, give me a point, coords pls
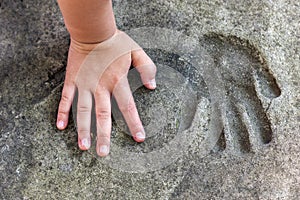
(104, 149)
(140, 136)
(86, 143)
(61, 124)
(152, 83)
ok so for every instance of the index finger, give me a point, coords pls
(128, 108)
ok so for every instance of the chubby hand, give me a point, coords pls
(99, 71)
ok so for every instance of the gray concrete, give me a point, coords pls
(252, 46)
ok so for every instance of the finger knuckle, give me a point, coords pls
(148, 70)
(63, 109)
(103, 114)
(118, 79)
(83, 131)
(65, 98)
(99, 91)
(84, 109)
(129, 107)
(103, 136)
(154, 69)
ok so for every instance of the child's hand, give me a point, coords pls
(86, 72)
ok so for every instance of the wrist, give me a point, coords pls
(92, 37)
(86, 47)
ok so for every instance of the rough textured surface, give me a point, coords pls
(255, 48)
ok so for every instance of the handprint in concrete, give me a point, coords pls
(238, 80)
(245, 77)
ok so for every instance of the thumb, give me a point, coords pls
(145, 66)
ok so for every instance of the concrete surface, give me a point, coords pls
(254, 46)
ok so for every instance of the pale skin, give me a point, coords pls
(90, 23)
